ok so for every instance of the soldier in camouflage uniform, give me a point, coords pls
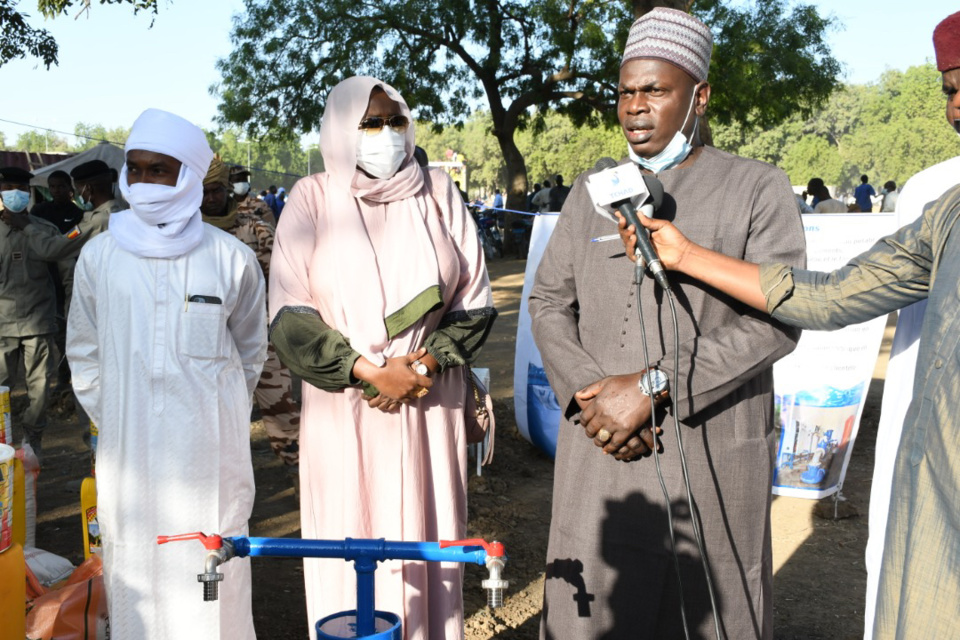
(28, 306)
(281, 415)
(246, 204)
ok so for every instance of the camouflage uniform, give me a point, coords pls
(280, 412)
(258, 209)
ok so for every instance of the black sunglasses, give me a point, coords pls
(374, 125)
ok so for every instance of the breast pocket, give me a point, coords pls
(202, 329)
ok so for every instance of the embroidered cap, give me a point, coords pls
(673, 36)
(946, 43)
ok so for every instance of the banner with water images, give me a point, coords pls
(535, 406)
(820, 389)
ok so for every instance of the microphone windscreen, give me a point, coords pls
(655, 188)
(605, 163)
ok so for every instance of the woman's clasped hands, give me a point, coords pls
(396, 380)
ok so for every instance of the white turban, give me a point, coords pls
(164, 221)
(169, 134)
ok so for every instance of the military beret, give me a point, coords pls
(91, 170)
(15, 175)
(238, 172)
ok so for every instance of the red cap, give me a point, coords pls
(946, 43)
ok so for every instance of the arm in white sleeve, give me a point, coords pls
(248, 322)
(83, 351)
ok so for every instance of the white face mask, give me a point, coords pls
(241, 188)
(382, 154)
(676, 150)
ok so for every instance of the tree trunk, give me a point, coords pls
(516, 183)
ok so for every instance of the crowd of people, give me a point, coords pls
(186, 298)
(817, 199)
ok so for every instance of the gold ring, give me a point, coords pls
(603, 435)
(422, 392)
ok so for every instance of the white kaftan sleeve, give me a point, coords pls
(248, 322)
(83, 352)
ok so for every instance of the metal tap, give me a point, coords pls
(495, 560)
(495, 585)
(219, 550)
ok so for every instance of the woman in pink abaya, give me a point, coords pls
(378, 298)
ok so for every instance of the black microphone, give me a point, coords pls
(644, 250)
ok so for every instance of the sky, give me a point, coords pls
(113, 65)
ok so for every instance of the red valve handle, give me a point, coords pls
(210, 542)
(494, 549)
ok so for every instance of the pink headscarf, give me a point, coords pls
(365, 295)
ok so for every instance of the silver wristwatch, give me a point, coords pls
(420, 369)
(654, 382)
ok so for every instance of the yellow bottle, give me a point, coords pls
(88, 501)
(13, 593)
(88, 512)
(13, 581)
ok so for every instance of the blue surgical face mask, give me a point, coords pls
(676, 150)
(15, 200)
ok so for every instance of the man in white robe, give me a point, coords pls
(919, 191)
(166, 339)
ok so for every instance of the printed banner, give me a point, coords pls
(537, 411)
(820, 388)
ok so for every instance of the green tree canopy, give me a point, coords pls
(518, 59)
(888, 130)
(278, 161)
(41, 142)
(560, 147)
(90, 135)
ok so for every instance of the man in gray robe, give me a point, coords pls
(610, 569)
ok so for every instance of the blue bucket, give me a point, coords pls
(344, 625)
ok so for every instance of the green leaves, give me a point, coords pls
(516, 60)
(53, 8)
(889, 130)
(19, 40)
(768, 63)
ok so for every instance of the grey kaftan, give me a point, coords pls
(609, 567)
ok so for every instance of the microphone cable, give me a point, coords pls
(694, 515)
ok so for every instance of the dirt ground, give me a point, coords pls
(819, 574)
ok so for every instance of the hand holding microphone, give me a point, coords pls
(668, 242)
(617, 187)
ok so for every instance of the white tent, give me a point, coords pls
(109, 153)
